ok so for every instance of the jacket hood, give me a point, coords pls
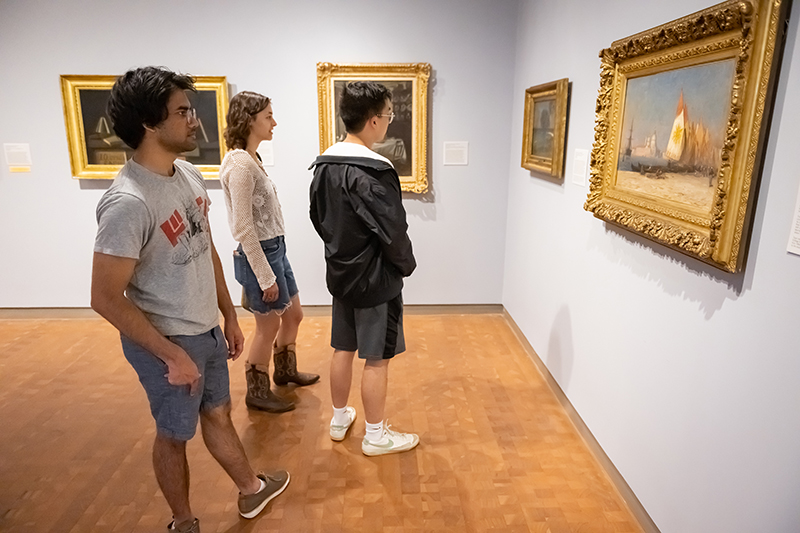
(367, 162)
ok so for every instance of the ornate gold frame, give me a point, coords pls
(746, 31)
(417, 73)
(71, 86)
(554, 164)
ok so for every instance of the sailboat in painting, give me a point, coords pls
(689, 150)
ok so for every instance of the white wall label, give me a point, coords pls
(580, 163)
(18, 157)
(266, 153)
(794, 234)
(456, 153)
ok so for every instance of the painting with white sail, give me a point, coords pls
(674, 124)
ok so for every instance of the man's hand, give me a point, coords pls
(271, 294)
(235, 338)
(183, 371)
(110, 277)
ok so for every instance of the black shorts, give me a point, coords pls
(375, 332)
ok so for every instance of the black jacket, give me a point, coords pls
(357, 209)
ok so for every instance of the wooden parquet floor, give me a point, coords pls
(497, 452)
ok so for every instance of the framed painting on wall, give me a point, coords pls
(682, 115)
(97, 153)
(406, 139)
(545, 127)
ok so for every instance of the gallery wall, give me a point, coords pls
(689, 378)
(47, 218)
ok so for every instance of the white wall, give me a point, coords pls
(689, 378)
(47, 218)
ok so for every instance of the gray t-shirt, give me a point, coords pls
(162, 222)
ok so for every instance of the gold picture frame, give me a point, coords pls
(409, 130)
(545, 127)
(681, 121)
(96, 153)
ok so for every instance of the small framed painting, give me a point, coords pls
(545, 127)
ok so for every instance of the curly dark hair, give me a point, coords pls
(139, 98)
(362, 100)
(243, 107)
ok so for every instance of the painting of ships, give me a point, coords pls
(689, 150)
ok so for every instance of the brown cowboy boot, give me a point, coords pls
(259, 395)
(286, 368)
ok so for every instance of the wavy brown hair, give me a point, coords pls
(243, 107)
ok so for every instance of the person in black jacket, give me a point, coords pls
(357, 209)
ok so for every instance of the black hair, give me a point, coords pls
(139, 98)
(362, 100)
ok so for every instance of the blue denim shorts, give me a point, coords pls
(175, 411)
(275, 251)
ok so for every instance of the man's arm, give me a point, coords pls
(381, 210)
(110, 278)
(233, 333)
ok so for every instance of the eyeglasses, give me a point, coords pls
(390, 115)
(189, 114)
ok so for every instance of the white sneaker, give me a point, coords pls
(338, 432)
(391, 442)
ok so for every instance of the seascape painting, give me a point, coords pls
(544, 115)
(673, 129)
(544, 131)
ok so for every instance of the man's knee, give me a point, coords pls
(166, 444)
(376, 363)
(216, 415)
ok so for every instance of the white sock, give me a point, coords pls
(340, 417)
(262, 485)
(374, 431)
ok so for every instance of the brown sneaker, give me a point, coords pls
(192, 527)
(252, 504)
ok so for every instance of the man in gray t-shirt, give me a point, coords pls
(158, 279)
(162, 223)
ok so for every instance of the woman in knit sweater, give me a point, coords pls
(269, 289)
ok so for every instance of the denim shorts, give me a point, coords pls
(252, 295)
(376, 332)
(175, 411)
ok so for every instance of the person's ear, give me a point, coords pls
(151, 130)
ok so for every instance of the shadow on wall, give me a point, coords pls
(710, 287)
(88, 185)
(560, 349)
(421, 206)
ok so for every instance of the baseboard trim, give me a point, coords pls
(622, 487)
(308, 310)
(419, 309)
(32, 313)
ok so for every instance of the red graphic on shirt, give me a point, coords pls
(202, 203)
(173, 227)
